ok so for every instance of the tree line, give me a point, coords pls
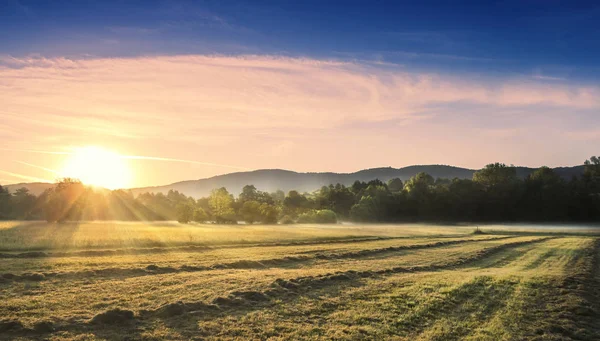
(494, 194)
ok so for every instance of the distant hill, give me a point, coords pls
(35, 188)
(271, 180)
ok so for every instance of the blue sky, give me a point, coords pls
(554, 39)
(222, 86)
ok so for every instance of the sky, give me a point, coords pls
(192, 89)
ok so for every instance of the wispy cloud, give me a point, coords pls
(24, 177)
(589, 135)
(21, 8)
(176, 16)
(420, 36)
(128, 157)
(38, 167)
(398, 57)
(132, 30)
(548, 78)
(442, 56)
(212, 111)
(36, 151)
(155, 158)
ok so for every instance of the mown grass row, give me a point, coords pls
(184, 248)
(279, 290)
(240, 264)
(481, 307)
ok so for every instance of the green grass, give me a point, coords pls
(406, 282)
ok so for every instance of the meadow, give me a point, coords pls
(157, 281)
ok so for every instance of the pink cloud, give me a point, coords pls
(215, 109)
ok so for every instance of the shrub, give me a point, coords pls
(326, 217)
(307, 217)
(286, 220)
(318, 217)
(478, 231)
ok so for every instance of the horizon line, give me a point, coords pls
(308, 172)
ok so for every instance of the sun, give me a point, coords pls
(96, 166)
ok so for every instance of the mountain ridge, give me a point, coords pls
(271, 180)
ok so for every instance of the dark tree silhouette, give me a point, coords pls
(495, 193)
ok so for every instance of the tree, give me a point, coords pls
(185, 212)
(221, 205)
(496, 174)
(249, 193)
(395, 185)
(251, 211)
(278, 197)
(495, 193)
(5, 203)
(23, 203)
(159, 204)
(365, 210)
(358, 187)
(420, 196)
(502, 187)
(592, 174)
(543, 196)
(295, 202)
(375, 204)
(544, 175)
(421, 181)
(592, 167)
(268, 213)
(65, 201)
(465, 199)
(200, 215)
(338, 198)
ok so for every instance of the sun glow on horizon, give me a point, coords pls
(96, 166)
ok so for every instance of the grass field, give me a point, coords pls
(140, 281)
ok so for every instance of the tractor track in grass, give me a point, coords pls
(557, 307)
(467, 309)
(516, 256)
(584, 282)
(484, 306)
(481, 307)
(245, 301)
(472, 303)
(240, 264)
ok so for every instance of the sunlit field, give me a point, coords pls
(156, 281)
(23, 235)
